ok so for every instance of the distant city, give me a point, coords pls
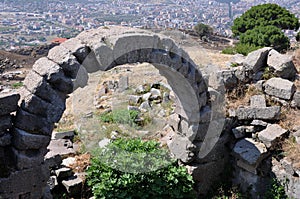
(35, 22)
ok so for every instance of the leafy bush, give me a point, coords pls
(269, 36)
(122, 116)
(137, 169)
(276, 191)
(17, 85)
(240, 48)
(265, 15)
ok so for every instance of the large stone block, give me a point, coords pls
(54, 74)
(8, 103)
(23, 140)
(267, 113)
(35, 105)
(282, 65)
(206, 174)
(30, 182)
(28, 159)
(182, 148)
(33, 123)
(77, 48)
(5, 139)
(280, 88)
(250, 152)
(272, 134)
(38, 85)
(63, 57)
(257, 60)
(5, 123)
(296, 99)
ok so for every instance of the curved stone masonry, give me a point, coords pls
(52, 78)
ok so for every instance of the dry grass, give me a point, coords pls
(292, 151)
(240, 96)
(81, 162)
(290, 118)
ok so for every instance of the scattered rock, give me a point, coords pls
(135, 99)
(123, 83)
(282, 65)
(296, 99)
(73, 185)
(267, 113)
(280, 88)
(63, 173)
(103, 143)
(257, 59)
(271, 135)
(250, 153)
(242, 131)
(258, 101)
(259, 123)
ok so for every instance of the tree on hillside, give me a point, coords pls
(203, 30)
(264, 15)
(270, 36)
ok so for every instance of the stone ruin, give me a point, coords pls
(28, 117)
(205, 141)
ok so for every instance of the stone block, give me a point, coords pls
(250, 113)
(33, 123)
(63, 57)
(5, 140)
(206, 174)
(38, 86)
(37, 106)
(23, 140)
(63, 135)
(296, 99)
(53, 160)
(257, 59)
(77, 48)
(182, 148)
(242, 131)
(250, 152)
(31, 181)
(282, 65)
(73, 185)
(54, 74)
(8, 103)
(123, 83)
(28, 159)
(5, 123)
(63, 173)
(272, 134)
(258, 101)
(281, 88)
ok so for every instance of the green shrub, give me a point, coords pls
(17, 85)
(276, 190)
(132, 168)
(122, 116)
(240, 48)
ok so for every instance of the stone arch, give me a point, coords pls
(65, 68)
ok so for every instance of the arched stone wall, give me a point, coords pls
(52, 78)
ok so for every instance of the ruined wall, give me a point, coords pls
(27, 123)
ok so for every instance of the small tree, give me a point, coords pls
(270, 36)
(265, 15)
(203, 30)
